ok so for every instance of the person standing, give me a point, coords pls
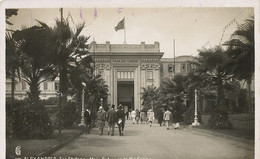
(87, 117)
(137, 117)
(101, 120)
(160, 116)
(150, 116)
(142, 116)
(133, 115)
(121, 120)
(111, 119)
(167, 117)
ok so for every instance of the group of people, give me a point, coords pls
(136, 116)
(165, 117)
(112, 117)
(117, 117)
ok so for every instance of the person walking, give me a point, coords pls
(87, 117)
(167, 117)
(133, 115)
(126, 112)
(150, 116)
(142, 116)
(111, 119)
(137, 117)
(129, 114)
(101, 120)
(121, 120)
(160, 116)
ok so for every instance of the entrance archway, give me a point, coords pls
(125, 93)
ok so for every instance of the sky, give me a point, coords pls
(192, 28)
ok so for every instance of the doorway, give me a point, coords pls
(125, 93)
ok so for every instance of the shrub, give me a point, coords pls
(219, 120)
(189, 115)
(30, 121)
(71, 116)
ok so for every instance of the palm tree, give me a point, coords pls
(12, 61)
(149, 97)
(69, 50)
(211, 65)
(34, 58)
(241, 52)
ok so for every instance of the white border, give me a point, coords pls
(120, 3)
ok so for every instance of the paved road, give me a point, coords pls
(156, 143)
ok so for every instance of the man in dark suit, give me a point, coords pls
(121, 119)
(111, 119)
(87, 120)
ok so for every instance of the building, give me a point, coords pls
(126, 68)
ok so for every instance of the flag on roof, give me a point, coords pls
(120, 25)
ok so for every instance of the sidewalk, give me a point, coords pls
(30, 148)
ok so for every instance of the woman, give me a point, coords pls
(142, 116)
(133, 115)
(150, 116)
(101, 120)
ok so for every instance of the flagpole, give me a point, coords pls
(124, 33)
(174, 55)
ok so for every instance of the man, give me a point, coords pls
(111, 119)
(121, 119)
(101, 120)
(167, 117)
(87, 120)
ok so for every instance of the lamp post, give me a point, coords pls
(195, 123)
(101, 102)
(82, 109)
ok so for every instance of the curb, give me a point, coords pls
(197, 130)
(58, 146)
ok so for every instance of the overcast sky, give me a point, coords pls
(191, 28)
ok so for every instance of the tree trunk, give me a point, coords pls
(63, 85)
(12, 89)
(34, 92)
(249, 95)
(220, 99)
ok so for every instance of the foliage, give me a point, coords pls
(30, 122)
(69, 50)
(34, 47)
(211, 65)
(8, 14)
(241, 54)
(149, 95)
(219, 120)
(241, 51)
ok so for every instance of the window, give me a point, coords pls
(45, 85)
(118, 75)
(56, 86)
(183, 67)
(125, 75)
(132, 74)
(171, 68)
(23, 85)
(149, 75)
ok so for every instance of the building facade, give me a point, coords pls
(126, 68)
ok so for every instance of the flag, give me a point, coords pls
(120, 25)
